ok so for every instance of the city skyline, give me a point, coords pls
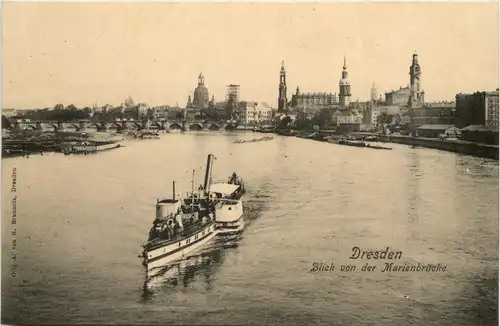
(83, 53)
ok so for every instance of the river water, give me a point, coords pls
(80, 221)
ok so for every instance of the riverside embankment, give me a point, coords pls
(450, 145)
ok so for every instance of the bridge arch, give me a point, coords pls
(156, 125)
(136, 126)
(175, 126)
(196, 127)
(50, 127)
(72, 126)
(29, 127)
(213, 126)
(95, 126)
(115, 126)
(230, 127)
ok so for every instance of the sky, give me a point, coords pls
(100, 53)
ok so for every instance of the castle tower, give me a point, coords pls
(282, 89)
(344, 88)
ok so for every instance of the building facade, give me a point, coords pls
(344, 88)
(398, 97)
(491, 109)
(437, 113)
(370, 115)
(313, 102)
(480, 108)
(282, 100)
(250, 112)
(346, 117)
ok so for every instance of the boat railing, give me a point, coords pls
(229, 201)
(184, 233)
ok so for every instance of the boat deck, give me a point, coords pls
(187, 232)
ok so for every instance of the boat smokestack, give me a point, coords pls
(208, 173)
(173, 190)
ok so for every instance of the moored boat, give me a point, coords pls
(147, 134)
(181, 225)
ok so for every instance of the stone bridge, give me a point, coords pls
(130, 125)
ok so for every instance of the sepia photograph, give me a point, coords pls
(250, 163)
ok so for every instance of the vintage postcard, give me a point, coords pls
(255, 163)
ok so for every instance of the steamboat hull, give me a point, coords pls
(230, 228)
(229, 218)
(162, 255)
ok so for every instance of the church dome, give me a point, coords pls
(201, 93)
(201, 96)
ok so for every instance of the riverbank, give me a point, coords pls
(27, 143)
(450, 145)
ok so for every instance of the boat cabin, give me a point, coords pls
(167, 208)
(224, 189)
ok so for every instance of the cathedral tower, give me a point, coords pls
(344, 88)
(282, 89)
(416, 94)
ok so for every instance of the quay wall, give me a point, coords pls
(457, 146)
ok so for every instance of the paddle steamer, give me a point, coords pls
(181, 225)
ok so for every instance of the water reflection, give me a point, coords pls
(200, 266)
(413, 187)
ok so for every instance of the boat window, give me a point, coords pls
(229, 208)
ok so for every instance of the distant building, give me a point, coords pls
(346, 117)
(313, 102)
(439, 113)
(398, 97)
(390, 109)
(435, 130)
(233, 93)
(480, 108)
(250, 112)
(370, 115)
(9, 112)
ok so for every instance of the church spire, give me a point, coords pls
(282, 101)
(345, 64)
